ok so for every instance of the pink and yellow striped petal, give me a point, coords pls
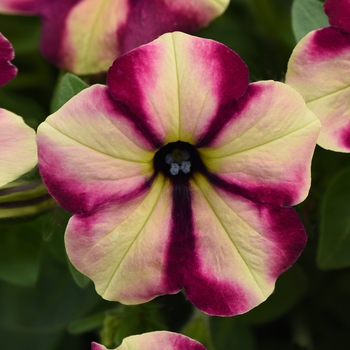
(121, 25)
(123, 246)
(161, 340)
(86, 36)
(85, 33)
(241, 247)
(90, 153)
(319, 69)
(185, 85)
(265, 150)
(17, 147)
(338, 12)
(223, 249)
(21, 7)
(7, 70)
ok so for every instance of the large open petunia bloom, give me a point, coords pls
(319, 69)
(86, 36)
(160, 340)
(17, 140)
(179, 175)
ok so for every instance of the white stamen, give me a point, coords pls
(169, 159)
(185, 167)
(176, 166)
(174, 169)
(185, 155)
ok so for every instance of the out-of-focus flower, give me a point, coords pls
(160, 340)
(7, 70)
(319, 69)
(180, 174)
(86, 36)
(24, 199)
(17, 140)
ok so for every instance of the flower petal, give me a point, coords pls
(188, 85)
(319, 69)
(162, 16)
(7, 70)
(90, 34)
(161, 340)
(90, 154)
(338, 12)
(85, 33)
(264, 153)
(241, 247)
(122, 247)
(224, 250)
(21, 7)
(17, 147)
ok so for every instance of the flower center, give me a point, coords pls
(177, 159)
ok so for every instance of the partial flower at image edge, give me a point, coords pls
(18, 151)
(160, 340)
(319, 69)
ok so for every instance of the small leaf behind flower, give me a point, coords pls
(290, 288)
(69, 86)
(20, 252)
(198, 328)
(81, 280)
(230, 333)
(86, 324)
(307, 15)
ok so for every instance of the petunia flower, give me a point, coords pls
(161, 340)
(180, 174)
(319, 69)
(7, 70)
(17, 140)
(86, 36)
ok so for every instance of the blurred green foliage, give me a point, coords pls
(334, 245)
(307, 15)
(46, 304)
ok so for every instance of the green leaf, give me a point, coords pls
(231, 333)
(87, 324)
(129, 320)
(334, 244)
(198, 328)
(307, 15)
(290, 288)
(54, 226)
(68, 86)
(50, 305)
(29, 340)
(81, 280)
(20, 253)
